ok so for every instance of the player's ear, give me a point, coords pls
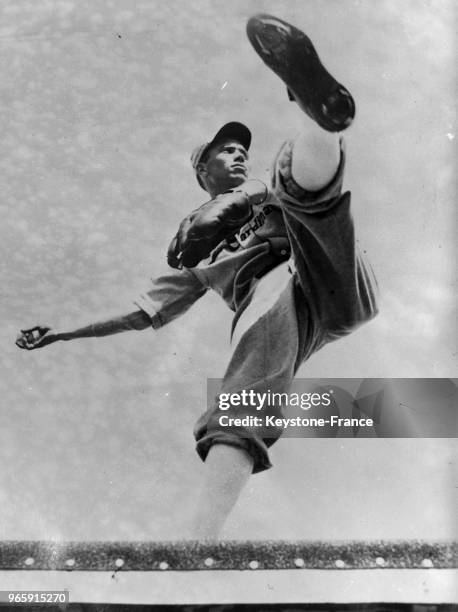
(201, 169)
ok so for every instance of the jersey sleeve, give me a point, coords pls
(170, 296)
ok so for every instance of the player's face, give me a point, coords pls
(226, 165)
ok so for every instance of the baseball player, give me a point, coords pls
(282, 256)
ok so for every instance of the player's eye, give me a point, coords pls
(231, 150)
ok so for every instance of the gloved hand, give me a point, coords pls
(204, 228)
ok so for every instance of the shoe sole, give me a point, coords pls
(291, 55)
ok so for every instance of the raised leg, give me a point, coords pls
(315, 157)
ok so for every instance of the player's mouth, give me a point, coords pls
(239, 168)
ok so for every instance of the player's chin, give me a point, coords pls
(238, 177)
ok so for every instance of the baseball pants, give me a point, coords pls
(322, 293)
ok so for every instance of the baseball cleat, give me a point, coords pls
(291, 55)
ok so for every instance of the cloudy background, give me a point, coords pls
(101, 102)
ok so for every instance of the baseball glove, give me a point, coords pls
(204, 228)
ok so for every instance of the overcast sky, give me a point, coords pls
(102, 102)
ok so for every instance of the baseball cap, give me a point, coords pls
(233, 129)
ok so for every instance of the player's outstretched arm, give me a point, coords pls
(41, 335)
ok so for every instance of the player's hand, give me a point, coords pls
(204, 228)
(35, 337)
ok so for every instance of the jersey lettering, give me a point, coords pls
(254, 224)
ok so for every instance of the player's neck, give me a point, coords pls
(222, 186)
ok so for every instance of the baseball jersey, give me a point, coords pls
(228, 270)
(233, 268)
